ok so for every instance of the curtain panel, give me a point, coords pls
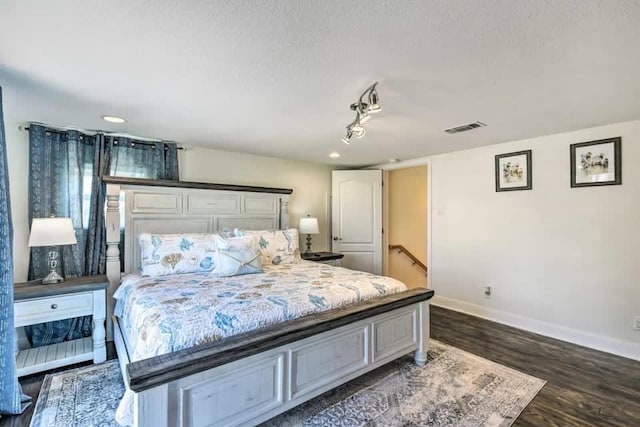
(61, 165)
(12, 401)
(66, 169)
(142, 159)
(61, 174)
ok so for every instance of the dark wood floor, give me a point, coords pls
(584, 387)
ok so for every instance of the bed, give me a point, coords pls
(282, 336)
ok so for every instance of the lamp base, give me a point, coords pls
(52, 277)
(308, 251)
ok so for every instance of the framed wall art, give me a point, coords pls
(513, 171)
(596, 163)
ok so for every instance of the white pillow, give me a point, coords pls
(165, 254)
(236, 256)
(276, 246)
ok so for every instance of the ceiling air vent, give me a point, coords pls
(464, 128)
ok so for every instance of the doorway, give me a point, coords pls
(405, 240)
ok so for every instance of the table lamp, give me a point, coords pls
(52, 232)
(308, 226)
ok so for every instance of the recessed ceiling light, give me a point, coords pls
(113, 119)
(334, 155)
(394, 160)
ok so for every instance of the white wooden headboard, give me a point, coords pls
(154, 206)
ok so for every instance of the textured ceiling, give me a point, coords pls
(277, 77)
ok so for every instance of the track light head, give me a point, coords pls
(363, 117)
(347, 138)
(358, 130)
(373, 106)
(361, 109)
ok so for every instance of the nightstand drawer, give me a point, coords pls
(53, 308)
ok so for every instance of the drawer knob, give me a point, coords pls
(54, 306)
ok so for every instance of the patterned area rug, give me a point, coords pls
(455, 388)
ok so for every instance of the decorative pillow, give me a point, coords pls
(236, 256)
(164, 254)
(276, 246)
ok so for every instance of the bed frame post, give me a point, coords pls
(113, 252)
(423, 333)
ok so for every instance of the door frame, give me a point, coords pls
(424, 161)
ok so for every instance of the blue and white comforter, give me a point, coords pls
(164, 314)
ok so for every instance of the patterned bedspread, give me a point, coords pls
(163, 314)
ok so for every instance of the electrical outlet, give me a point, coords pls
(636, 323)
(487, 291)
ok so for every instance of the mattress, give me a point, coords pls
(160, 315)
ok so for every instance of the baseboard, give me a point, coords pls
(597, 342)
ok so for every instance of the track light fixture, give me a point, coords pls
(363, 113)
(347, 138)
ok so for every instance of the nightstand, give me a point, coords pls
(37, 303)
(330, 258)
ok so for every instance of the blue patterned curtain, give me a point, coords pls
(142, 159)
(66, 169)
(61, 166)
(61, 171)
(96, 249)
(12, 401)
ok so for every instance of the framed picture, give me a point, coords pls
(513, 171)
(596, 163)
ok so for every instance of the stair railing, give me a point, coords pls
(414, 260)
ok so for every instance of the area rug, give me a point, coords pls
(455, 388)
(80, 397)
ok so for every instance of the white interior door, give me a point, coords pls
(357, 219)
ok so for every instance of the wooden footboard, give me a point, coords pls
(249, 378)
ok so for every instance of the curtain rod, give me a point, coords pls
(138, 140)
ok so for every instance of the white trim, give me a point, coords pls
(627, 349)
(385, 223)
(327, 213)
(429, 220)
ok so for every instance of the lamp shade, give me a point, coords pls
(309, 225)
(52, 232)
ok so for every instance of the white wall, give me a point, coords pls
(310, 183)
(18, 159)
(562, 262)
